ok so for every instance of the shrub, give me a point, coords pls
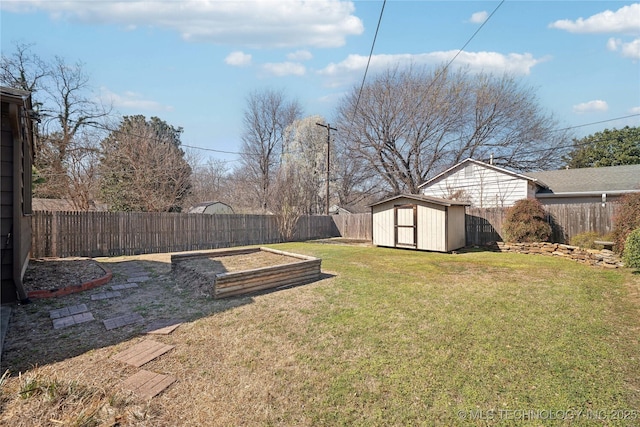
(586, 240)
(631, 254)
(626, 220)
(525, 222)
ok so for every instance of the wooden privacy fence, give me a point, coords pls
(484, 225)
(68, 234)
(354, 226)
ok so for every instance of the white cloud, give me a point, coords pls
(238, 59)
(131, 101)
(281, 69)
(479, 17)
(266, 23)
(624, 20)
(346, 71)
(595, 106)
(628, 50)
(300, 55)
(635, 110)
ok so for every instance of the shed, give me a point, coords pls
(211, 208)
(15, 191)
(419, 222)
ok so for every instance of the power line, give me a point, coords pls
(373, 44)
(472, 37)
(597, 123)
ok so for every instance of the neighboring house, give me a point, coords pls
(587, 185)
(212, 208)
(481, 184)
(16, 157)
(485, 186)
(348, 209)
(419, 222)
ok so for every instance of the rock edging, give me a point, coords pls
(603, 258)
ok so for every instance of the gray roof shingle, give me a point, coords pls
(604, 179)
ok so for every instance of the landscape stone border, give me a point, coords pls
(603, 258)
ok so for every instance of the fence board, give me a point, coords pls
(354, 226)
(67, 234)
(484, 225)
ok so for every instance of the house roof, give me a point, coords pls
(14, 94)
(527, 177)
(422, 198)
(609, 179)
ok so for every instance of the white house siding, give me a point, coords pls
(480, 186)
(431, 228)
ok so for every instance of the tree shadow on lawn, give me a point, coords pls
(32, 341)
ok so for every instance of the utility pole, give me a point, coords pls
(329, 129)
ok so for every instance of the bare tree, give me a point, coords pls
(65, 152)
(142, 167)
(209, 182)
(355, 182)
(24, 70)
(288, 200)
(266, 117)
(410, 124)
(82, 171)
(305, 151)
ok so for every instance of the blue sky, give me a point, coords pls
(193, 63)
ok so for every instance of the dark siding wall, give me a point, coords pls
(7, 289)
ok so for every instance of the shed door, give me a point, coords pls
(405, 225)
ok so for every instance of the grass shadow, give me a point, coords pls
(32, 341)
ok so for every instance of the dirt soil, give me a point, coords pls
(31, 339)
(53, 273)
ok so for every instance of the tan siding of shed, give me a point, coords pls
(431, 229)
(383, 225)
(456, 237)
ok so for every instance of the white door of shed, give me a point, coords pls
(405, 226)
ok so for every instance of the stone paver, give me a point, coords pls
(138, 279)
(120, 321)
(105, 295)
(147, 384)
(124, 286)
(63, 322)
(68, 311)
(142, 353)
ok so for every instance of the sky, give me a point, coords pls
(193, 63)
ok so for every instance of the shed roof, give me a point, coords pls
(201, 207)
(583, 180)
(422, 198)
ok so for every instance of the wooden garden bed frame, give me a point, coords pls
(306, 270)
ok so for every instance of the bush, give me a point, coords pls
(525, 222)
(631, 254)
(626, 220)
(586, 240)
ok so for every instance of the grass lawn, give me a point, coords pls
(392, 338)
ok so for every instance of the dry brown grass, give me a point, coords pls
(228, 371)
(397, 338)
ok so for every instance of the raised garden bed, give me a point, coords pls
(230, 272)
